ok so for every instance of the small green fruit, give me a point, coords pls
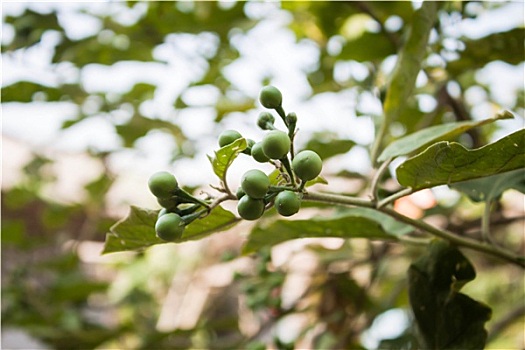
(228, 136)
(162, 184)
(255, 183)
(163, 211)
(276, 144)
(271, 97)
(169, 203)
(287, 203)
(258, 153)
(169, 227)
(250, 208)
(249, 145)
(265, 121)
(240, 193)
(307, 165)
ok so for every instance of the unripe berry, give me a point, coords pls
(240, 193)
(307, 165)
(162, 184)
(169, 203)
(287, 203)
(249, 145)
(276, 144)
(258, 153)
(271, 97)
(265, 121)
(250, 208)
(228, 136)
(163, 211)
(169, 227)
(255, 183)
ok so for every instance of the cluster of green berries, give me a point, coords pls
(179, 207)
(256, 192)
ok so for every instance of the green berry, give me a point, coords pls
(249, 145)
(240, 193)
(258, 153)
(169, 227)
(307, 165)
(265, 121)
(287, 203)
(228, 136)
(250, 208)
(163, 211)
(169, 203)
(276, 144)
(271, 97)
(255, 183)
(162, 184)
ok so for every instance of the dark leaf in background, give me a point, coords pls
(446, 318)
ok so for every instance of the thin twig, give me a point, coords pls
(394, 197)
(374, 187)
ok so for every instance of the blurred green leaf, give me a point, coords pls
(139, 126)
(29, 28)
(447, 162)
(408, 63)
(24, 91)
(424, 137)
(326, 145)
(368, 47)
(225, 156)
(137, 230)
(491, 187)
(446, 318)
(389, 225)
(504, 46)
(344, 226)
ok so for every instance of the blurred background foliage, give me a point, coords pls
(316, 294)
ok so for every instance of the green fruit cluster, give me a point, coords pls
(257, 192)
(179, 207)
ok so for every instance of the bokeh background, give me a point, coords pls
(98, 96)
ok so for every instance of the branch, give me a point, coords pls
(444, 234)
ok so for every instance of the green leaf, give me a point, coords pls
(368, 47)
(446, 318)
(448, 162)
(24, 91)
(139, 126)
(423, 138)
(504, 46)
(491, 187)
(225, 156)
(390, 225)
(218, 220)
(407, 68)
(326, 145)
(346, 225)
(409, 61)
(137, 230)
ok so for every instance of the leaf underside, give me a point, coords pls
(446, 318)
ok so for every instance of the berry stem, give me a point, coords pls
(286, 163)
(179, 192)
(282, 114)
